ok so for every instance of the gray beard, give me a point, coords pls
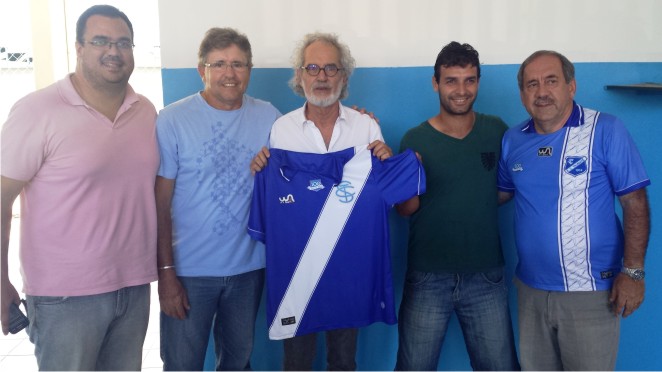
(323, 102)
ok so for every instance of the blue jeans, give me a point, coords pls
(95, 332)
(480, 301)
(229, 304)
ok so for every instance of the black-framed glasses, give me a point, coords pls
(105, 43)
(314, 70)
(222, 65)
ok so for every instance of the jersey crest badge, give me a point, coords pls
(315, 185)
(575, 165)
(344, 192)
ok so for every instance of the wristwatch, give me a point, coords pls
(636, 274)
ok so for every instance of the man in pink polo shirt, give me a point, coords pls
(82, 154)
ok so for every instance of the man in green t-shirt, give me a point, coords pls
(455, 261)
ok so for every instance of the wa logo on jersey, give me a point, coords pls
(575, 165)
(344, 192)
(287, 199)
(545, 151)
(315, 185)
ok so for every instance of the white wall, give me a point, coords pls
(410, 32)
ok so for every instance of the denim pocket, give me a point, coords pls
(49, 300)
(414, 277)
(494, 276)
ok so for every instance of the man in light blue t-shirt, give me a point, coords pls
(211, 273)
(578, 269)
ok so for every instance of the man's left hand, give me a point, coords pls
(626, 295)
(380, 150)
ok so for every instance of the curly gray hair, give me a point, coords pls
(346, 60)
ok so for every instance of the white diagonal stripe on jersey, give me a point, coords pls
(573, 208)
(319, 248)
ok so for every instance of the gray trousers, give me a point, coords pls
(300, 351)
(566, 330)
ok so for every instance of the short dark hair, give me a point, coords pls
(102, 10)
(456, 54)
(567, 66)
(221, 38)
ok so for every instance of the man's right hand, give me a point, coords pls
(260, 160)
(10, 188)
(172, 295)
(9, 295)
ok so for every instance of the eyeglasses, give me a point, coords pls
(314, 70)
(103, 43)
(222, 65)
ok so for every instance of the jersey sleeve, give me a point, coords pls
(400, 177)
(624, 164)
(504, 181)
(256, 218)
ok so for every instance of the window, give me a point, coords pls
(17, 61)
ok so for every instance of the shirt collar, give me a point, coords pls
(70, 94)
(342, 114)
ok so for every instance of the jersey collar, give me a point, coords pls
(576, 119)
(330, 166)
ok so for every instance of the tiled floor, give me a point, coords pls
(17, 352)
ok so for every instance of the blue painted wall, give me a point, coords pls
(403, 97)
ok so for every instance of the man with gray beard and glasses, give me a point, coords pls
(322, 67)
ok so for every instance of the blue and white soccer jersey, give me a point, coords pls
(575, 173)
(324, 220)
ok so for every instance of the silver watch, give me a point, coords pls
(636, 274)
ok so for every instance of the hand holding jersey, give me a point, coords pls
(324, 221)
